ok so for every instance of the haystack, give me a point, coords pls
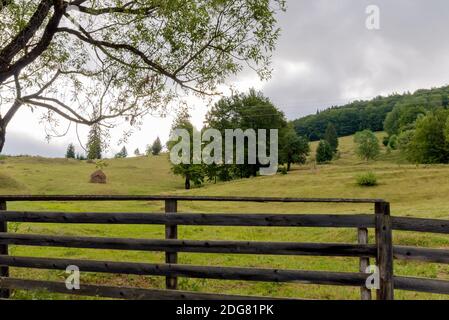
(98, 177)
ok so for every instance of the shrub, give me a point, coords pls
(282, 170)
(368, 179)
(393, 142)
(80, 156)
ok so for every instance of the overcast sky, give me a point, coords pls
(326, 56)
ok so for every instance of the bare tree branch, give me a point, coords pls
(57, 111)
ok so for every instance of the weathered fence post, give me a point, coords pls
(4, 271)
(384, 242)
(171, 232)
(362, 237)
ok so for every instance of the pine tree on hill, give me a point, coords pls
(94, 144)
(70, 154)
(331, 137)
(324, 152)
(122, 154)
(156, 148)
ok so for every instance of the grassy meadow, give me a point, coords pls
(418, 191)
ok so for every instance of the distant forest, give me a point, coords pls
(361, 115)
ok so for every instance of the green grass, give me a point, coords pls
(420, 191)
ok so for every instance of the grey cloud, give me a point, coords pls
(347, 61)
(21, 144)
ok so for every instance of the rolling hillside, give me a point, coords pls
(419, 191)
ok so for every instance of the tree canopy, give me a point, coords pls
(429, 141)
(88, 61)
(189, 171)
(367, 145)
(244, 111)
(295, 149)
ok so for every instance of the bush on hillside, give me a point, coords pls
(368, 179)
(393, 142)
(282, 170)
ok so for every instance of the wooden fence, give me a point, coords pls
(382, 250)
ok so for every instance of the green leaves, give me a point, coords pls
(367, 145)
(324, 152)
(428, 142)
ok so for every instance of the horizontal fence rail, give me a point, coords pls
(119, 293)
(421, 254)
(421, 225)
(202, 272)
(195, 219)
(383, 250)
(422, 285)
(14, 198)
(234, 247)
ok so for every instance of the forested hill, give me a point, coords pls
(360, 115)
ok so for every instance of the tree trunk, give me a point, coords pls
(187, 183)
(289, 166)
(2, 134)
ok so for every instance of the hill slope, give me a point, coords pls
(412, 191)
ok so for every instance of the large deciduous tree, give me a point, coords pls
(244, 111)
(295, 149)
(190, 171)
(367, 145)
(89, 61)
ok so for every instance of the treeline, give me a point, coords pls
(360, 115)
(419, 128)
(96, 145)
